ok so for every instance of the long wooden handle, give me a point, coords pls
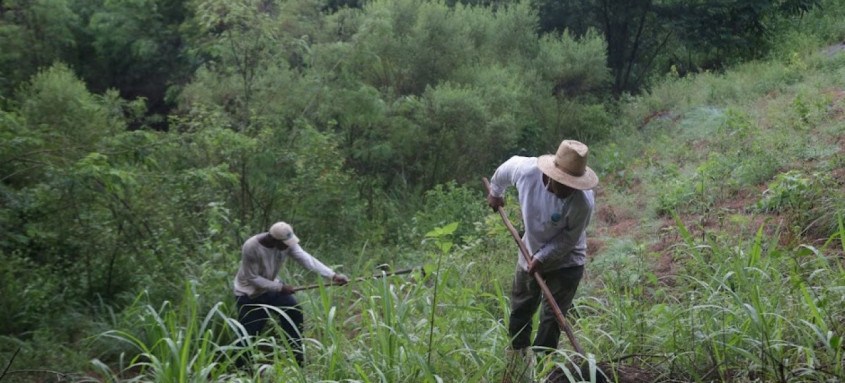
(561, 320)
(405, 271)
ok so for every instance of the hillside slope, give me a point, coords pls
(720, 227)
(760, 146)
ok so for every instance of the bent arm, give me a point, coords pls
(563, 244)
(572, 235)
(506, 175)
(309, 262)
(251, 274)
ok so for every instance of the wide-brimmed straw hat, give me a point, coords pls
(569, 166)
(283, 232)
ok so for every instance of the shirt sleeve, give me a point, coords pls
(309, 262)
(577, 220)
(251, 263)
(506, 175)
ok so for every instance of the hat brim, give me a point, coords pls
(587, 181)
(293, 240)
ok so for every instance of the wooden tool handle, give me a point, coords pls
(314, 286)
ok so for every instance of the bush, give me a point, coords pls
(806, 200)
(28, 295)
(448, 203)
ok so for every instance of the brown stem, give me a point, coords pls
(10, 363)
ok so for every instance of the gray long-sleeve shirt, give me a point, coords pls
(260, 267)
(555, 228)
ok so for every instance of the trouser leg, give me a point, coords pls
(525, 298)
(290, 322)
(253, 317)
(563, 283)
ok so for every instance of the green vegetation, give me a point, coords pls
(141, 142)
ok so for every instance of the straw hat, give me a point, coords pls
(569, 166)
(283, 232)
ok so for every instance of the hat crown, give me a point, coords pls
(569, 166)
(571, 158)
(283, 232)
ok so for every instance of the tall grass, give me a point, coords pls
(175, 343)
(390, 329)
(737, 312)
(747, 312)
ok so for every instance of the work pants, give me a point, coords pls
(254, 317)
(526, 296)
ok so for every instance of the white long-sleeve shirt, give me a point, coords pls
(260, 267)
(555, 228)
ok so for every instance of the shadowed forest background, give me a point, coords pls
(142, 141)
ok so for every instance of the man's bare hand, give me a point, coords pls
(340, 279)
(495, 202)
(534, 266)
(286, 289)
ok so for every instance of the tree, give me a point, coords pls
(634, 33)
(57, 122)
(33, 35)
(725, 31)
(138, 49)
(643, 34)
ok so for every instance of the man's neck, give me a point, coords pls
(271, 243)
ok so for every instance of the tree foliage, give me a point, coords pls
(138, 48)
(337, 122)
(643, 35)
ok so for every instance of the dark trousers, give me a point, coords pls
(526, 297)
(254, 317)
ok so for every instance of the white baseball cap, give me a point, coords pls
(284, 232)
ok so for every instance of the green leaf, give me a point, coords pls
(442, 231)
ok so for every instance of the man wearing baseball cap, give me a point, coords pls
(556, 200)
(257, 284)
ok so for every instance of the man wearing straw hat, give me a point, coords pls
(257, 284)
(556, 200)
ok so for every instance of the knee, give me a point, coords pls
(291, 316)
(296, 315)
